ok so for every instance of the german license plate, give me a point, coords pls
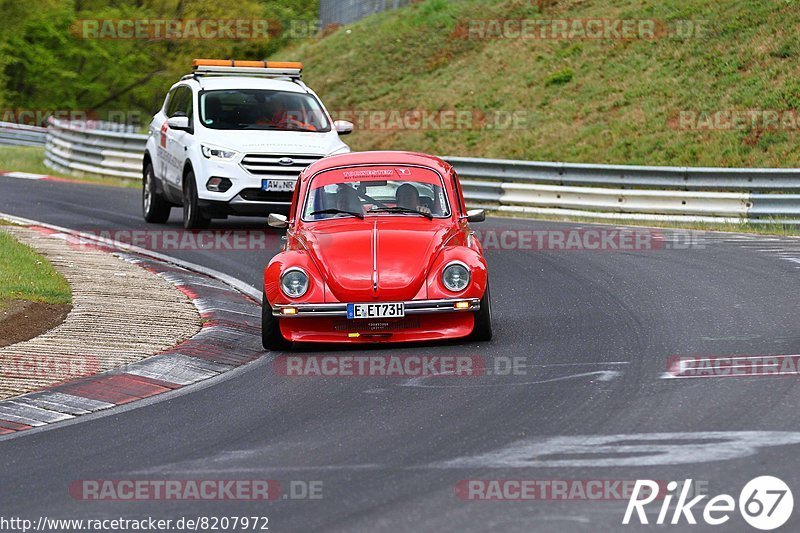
(382, 310)
(278, 185)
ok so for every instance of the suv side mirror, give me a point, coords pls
(343, 127)
(277, 221)
(476, 215)
(179, 123)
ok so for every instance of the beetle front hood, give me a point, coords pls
(380, 258)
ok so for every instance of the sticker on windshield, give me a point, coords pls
(369, 173)
(403, 171)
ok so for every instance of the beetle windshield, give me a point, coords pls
(376, 191)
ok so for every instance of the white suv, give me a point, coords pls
(231, 139)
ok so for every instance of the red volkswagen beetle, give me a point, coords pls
(378, 249)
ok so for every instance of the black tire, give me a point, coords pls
(155, 209)
(483, 319)
(193, 218)
(271, 338)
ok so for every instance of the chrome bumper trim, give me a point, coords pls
(412, 307)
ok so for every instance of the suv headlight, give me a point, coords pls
(215, 152)
(456, 276)
(294, 282)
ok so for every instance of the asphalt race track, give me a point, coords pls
(594, 329)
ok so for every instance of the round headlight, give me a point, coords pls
(294, 283)
(456, 277)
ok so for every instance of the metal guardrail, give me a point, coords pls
(517, 187)
(96, 148)
(630, 192)
(338, 12)
(21, 135)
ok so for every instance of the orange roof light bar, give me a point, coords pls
(255, 64)
(212, 63)
(247, 64)
(285, 64)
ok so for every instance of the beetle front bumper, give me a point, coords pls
(412, 307)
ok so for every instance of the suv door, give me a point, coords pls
(158, 129)
(176, 141)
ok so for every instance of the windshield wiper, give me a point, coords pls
(334, 211)
(398, 209)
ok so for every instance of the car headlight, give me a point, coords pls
(456, 276)
(294, 283)
(220, 154)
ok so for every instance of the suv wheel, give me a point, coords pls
(155, 209)
(192, 217)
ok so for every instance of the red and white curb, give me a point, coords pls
(230, 337)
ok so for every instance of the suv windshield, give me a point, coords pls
(258, 109)
(398, 191)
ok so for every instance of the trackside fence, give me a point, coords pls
(688, 194)
(21, 135)
(631, 192)
(95, 148)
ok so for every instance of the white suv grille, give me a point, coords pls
(276, 165)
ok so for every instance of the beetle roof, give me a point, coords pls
(377, 158)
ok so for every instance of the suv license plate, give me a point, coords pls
(384, 310)
(278, 185)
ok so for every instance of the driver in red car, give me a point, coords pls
(407, 196)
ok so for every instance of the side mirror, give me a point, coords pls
(476, 215)
(277, 221)
(179, 123)
(343, 127)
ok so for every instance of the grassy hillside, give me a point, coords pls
(603, 101)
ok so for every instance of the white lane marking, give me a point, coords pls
(633, 449)
(24, 175)
(600, 363)
(603, 375)
(737, 362)
(739, 357)
(579, 519)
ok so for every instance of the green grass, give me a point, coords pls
(26, 275)
(31, 159)
(594, 101)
